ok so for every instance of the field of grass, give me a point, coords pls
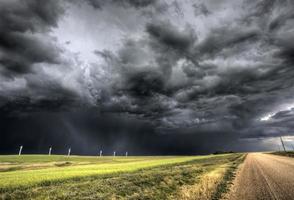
(78, 177)
(282, 153)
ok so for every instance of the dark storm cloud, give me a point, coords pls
(34, 98)
(203, 81)
(171, 43)
(197, 75)
(200, 9)
(281, 20)
(21, 51)
(21, 26)
(144, 83)
(225, 37)
(24, 43)
(98, 4)
(168, 35)
(86, 133)
(239, 81)
(286, 47)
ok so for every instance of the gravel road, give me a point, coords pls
(264, 176)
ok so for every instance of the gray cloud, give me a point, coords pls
(200, 9)
(198, 69)
(98, 4)
(170, 48)
(22, 28)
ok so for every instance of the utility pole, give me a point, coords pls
(283, 144)
(50, 149)
(20, 150)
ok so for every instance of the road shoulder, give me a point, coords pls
(231, 184)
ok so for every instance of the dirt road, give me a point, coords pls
(264, 176)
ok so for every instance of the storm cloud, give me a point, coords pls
(22, 27)
(153, 76)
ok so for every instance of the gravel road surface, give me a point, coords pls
(264, 176)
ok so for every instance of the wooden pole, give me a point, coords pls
(283, 144)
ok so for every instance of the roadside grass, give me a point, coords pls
(226, 182)
(215, 183)
(205, 188)
(282, 153)
(196, 177)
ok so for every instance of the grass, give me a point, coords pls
(12, 163)
(227, 180)
(74, 168)
(189, 177)
(282, 153)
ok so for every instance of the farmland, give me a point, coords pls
(145, 177)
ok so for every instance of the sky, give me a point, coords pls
(151, 77)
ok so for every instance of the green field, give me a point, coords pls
(85, 177)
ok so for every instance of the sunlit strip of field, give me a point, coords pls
(105, 165)
(189, 178)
